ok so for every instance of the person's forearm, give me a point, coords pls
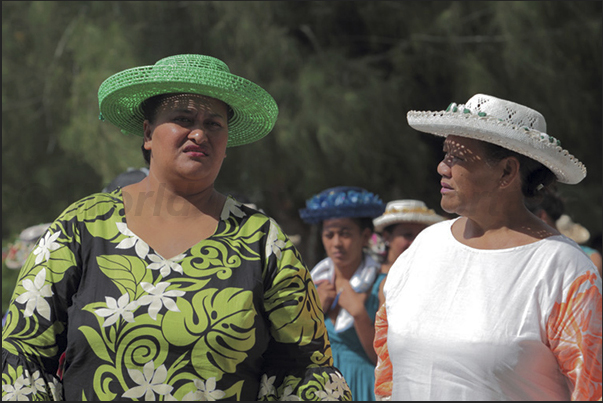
(366, 333)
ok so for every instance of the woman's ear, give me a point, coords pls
(147, 135)
(510, 171)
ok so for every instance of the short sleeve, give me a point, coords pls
(574, 335)
(299, 362)
(383, 370)
(34, 335)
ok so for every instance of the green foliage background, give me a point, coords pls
(344, 74)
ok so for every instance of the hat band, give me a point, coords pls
(420, 210)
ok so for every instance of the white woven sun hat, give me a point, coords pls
(572, 230)
(504, 123)
(406, 211)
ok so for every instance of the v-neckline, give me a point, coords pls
(154, 251)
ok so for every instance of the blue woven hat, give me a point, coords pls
(341, 202)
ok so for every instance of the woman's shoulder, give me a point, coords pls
(93, 206)
(565, 249)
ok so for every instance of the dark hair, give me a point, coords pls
(535, 177)
(550, 202)
(149, 108)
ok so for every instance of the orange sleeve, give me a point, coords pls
(383, 370)
(574, 333)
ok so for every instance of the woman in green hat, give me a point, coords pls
(166, 289)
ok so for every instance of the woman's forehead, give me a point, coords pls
(463, 146)
(334, 224)
(186, 101)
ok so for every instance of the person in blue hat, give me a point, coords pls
(348, 280)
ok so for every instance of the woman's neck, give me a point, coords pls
(501, 231)
(347, 271)
(149, 197)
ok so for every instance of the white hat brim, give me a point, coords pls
(388, 219)
(531, 143)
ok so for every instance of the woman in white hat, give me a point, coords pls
(493, 304)
(399, 226)
(166, 289)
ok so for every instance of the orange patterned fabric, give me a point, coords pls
(383, 370)
(574, 333)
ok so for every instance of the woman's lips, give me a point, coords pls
(445, 188)
(337, 255)
(196, 151)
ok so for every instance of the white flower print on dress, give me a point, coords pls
(266, 386)
(140, 246)
(36, 381)
(17, 391)
(35, 294)
(38, 384)
(122, 307)
(158, 298)
(273, 243)
(339, 383)
(231, 207)
(333, 389)
(165, 266)
(150, 381)
(206, 391)
(287, 395)
(45, 246)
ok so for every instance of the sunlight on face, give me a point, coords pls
(188, 137)
(193, 103)
(468, 181)
(461, 149)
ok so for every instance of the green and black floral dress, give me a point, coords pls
(235, 317)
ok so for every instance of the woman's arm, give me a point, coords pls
(574, 333)
(298, 363)
(383, 370)
(353, 302)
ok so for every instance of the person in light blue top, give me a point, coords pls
(348, 280)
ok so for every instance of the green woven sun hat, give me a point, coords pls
(121, 95)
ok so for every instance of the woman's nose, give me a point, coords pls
(197, 134)
(443, 168)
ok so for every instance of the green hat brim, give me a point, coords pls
(120, 97)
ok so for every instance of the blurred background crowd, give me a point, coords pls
(343, 73)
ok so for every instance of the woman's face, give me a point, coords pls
(188, 138)
(400, 236)
(468, 182)
(343, 241)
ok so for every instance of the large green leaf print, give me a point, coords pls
(126, 272)
(294, 308)
(219, 326)
(92, 208)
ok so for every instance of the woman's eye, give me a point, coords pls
(452, 157)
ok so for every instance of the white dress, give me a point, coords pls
(473, 324)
